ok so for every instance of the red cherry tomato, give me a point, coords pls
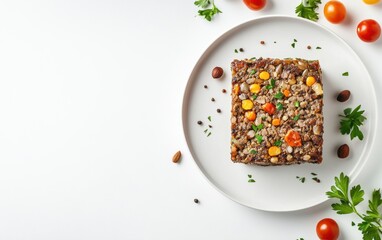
(255, 4)
(334, 11)
(327, 229)
(369, 30)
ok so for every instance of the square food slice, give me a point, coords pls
(277, 116)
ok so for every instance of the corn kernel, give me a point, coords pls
(274, 151)
(276, 122)
(251, 115)
(286, 93)
(310, 81)
(247, 104)
(254, 88)
(236, 89)
(264, 75)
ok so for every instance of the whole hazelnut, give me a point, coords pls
(343, 151)
(343, 96)
(217, 72)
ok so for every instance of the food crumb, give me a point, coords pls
(213, 99)
(262, 42)
(200, 122)
(309, 47)
(218, 110)
(224, 91)
(205, 86)
(241, 50)
(196, 200)
(209, 126)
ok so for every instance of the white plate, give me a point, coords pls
(276, 188)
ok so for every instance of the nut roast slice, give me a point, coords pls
(277, 111)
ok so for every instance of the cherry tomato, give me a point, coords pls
(327, 229)
(255, 4)
(335, 11)
(369, 30)
(371, 2)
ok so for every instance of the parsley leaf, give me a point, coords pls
(307, 9)
(345, 74)
(370, 226)
(351, 122)
(202, 3)
(271, 85)
(259, 138)
(253, 151)
(207, 13)
(278, 143)
(279, 106)
(278, 95)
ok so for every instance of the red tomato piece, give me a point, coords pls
(269, 108)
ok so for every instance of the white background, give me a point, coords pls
(90, 104)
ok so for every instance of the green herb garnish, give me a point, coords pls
(278, 95)
(207, 13)
(279, 106)
(250, 178)
(253, 58)
(297, 117)
(278, 143)
(209, 118)
(302, 179)
(254, 96)
(318, 47)
(208, 134)
(271, 85)
(294, 40)
(259, 139)
(253, 151)
(253, 71)
(205, 130)
(345, 74)
(258, 127)
(314, 174)
(297, 104)
(370, 226)
(236, 51)
(307, 9)
(351, 122)
(293, 45)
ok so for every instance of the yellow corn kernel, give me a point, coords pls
(274, 151)
(254, 88)
(276, 122)
(247, 104)
(310, 81)
(264, 75)
(236, 89)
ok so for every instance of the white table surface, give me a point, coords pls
(90, 103)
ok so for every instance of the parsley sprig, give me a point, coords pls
(307, 9)
(351, 122)
(370, 226)
(206, 12)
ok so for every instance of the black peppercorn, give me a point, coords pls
(196, 200)
(200, 122)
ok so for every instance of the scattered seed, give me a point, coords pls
(309, 47)
(218, 110)
(224, 91)
(200, 122)
(196, 200)
(262, 42)
(274, 42)
(241, 50)
(176, 157)
(209, 126)
(316, 179)
(205, 86)
(213, 99)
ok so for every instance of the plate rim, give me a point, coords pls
(368, 146)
